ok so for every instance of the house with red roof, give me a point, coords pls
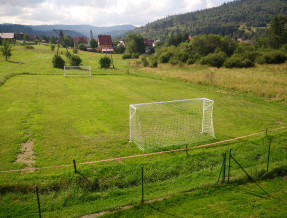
(84, 40)
(105, 44)
(148, 44)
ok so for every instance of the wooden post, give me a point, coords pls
(75, 167)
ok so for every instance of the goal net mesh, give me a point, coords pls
(162, 124)
(77, 71)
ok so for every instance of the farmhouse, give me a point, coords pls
(10, 36)
(105, 44)
(84, 40)
(148, 44)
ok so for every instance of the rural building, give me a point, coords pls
(148, 44)
(84, 40)
(105, 44)
(10, 36)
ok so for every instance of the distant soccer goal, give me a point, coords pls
(167, 123)
(77, 71)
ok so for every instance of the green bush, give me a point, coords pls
(75, 50)
(214, 60)
(152, 61)
(29, 47)
(82, 47)
(271, 58)
(58, 62)
(126, 56)
(144, 62)
(75, 60)
(105, 62)
(135, 55)
(238, 62)
(52, 47)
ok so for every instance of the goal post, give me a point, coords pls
(161, 124)
(77, 71)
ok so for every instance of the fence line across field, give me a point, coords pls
(142, 155)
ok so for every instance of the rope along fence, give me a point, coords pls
(141, 155)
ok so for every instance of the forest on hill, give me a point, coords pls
(247, 19)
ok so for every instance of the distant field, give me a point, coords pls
(87, 119)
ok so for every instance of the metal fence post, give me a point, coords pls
(229, 165)
(268, 154)
(224, 167)
(38, 200)
(142, 201)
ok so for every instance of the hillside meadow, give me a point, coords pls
(87, 119)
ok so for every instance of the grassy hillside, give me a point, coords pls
(226, 19)
(87, 119)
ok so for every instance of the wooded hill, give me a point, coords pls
(241, 19)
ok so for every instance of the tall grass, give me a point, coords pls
(269, 81)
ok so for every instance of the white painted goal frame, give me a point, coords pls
(161, 124)
(77, 71)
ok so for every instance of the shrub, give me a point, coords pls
(272, 58)
(52, 47)
(29, 47)
(105, 62)
(135, 55)
(82, 47)
(68, 54)
(152, 61)
(75, 60)
(214, 60)
(58, 62)
(144, 62)
(126, 56)
(238, 62)
(75, 50)
(164, 57)
(190, 61)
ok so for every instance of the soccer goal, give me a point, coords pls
(161, 124)
(77, 71)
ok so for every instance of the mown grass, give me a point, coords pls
(86, 119)
(269, 81)
(245, 200)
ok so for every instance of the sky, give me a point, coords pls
(100, 13)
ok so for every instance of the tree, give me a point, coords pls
(6, 49)
(68, 41)
(93, 43)
(26, 37)
(278, 31)
(134, 44)
(105, 62)
(52, 39)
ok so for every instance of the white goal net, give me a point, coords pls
(167, 123)
(77, 71)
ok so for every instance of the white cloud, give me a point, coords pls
(96, 12)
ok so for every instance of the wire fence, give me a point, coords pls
(120, 182)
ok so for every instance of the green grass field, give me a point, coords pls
(87, 119)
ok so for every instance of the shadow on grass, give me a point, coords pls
(173, 215)
(250, 192)
(15, 62)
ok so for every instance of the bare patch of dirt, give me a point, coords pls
(27, 155)
(284, 177)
